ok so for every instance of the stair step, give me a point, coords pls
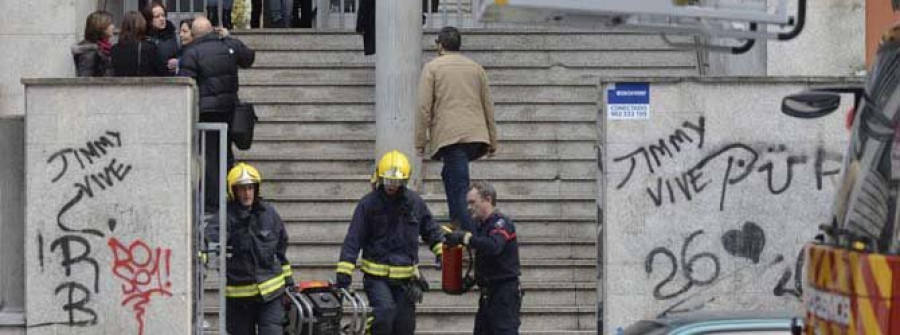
(359, 186)
(509, 148)
(362, 93)
(475, 40)
(518, 205)
(536, 294)
(527, 227)
(533, 318)
(366, 112)
(533, 270)
(303, 249)
(495, 168)
(366, 131)
(519, 112)
(490, 59)
(554, 74)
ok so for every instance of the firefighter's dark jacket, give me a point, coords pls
(257, 240)
(496, 250)
(387, 229)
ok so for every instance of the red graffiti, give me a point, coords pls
(139, 267)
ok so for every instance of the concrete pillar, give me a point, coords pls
(108, 197)
(399, 46)
(40, 32)
(12, 222)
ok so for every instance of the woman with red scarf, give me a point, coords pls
(92, 54)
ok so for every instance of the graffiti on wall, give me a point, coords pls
(143, 271)
(679, 167)
(83, 173)
(699, 268)
(720, 170)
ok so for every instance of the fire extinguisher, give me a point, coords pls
(452, 279)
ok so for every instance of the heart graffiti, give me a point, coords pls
(748, 242)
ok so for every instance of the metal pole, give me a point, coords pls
(323, 9)
(399, 45)
(444, 18)
(341, 16)
(223, 224)
(430, 14)
(199, 271)
(459, 13)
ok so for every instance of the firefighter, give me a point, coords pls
(497, 267)
(258, 270)
(386, 226)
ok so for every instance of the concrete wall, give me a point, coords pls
(36, 35)
(707, 203)
(832, 44)
(12, 222)
(108, 205)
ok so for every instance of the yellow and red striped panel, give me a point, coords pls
(851, 292)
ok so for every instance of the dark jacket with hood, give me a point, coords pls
(132, 58)
(89, 61)
(213, 61)
(166, 41)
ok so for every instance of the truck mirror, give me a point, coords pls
(810, 105)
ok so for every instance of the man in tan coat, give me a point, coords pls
(455, 119)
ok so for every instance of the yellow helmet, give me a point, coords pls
(393, 166)
(242, 174)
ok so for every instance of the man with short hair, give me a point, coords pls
(455, 119)
(213, 60)
(497, 267)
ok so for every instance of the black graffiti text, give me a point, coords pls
(662, 148)
(687, 268)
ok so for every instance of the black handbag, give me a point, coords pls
(241, 128)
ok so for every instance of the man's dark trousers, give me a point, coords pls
(211, 176)
(455, 175)
(394, 313)
(498, 309)
(249, 316)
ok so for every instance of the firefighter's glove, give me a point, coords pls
(415, 290)
(343, 280)
(289, 283)
(458, 237)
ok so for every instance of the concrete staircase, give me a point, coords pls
(314, 93)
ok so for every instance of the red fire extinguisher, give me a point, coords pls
(452, 279)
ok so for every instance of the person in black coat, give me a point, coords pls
(213, 61)
(365, 25)
(365, 21)
(134, 56)
(160, 31)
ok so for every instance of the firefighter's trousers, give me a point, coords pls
(249, 316)
(394, 313)
(498, 309)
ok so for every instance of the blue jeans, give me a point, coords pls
(394, 313)
(455, 175)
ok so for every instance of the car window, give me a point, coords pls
(752, 332)
(749, 327)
